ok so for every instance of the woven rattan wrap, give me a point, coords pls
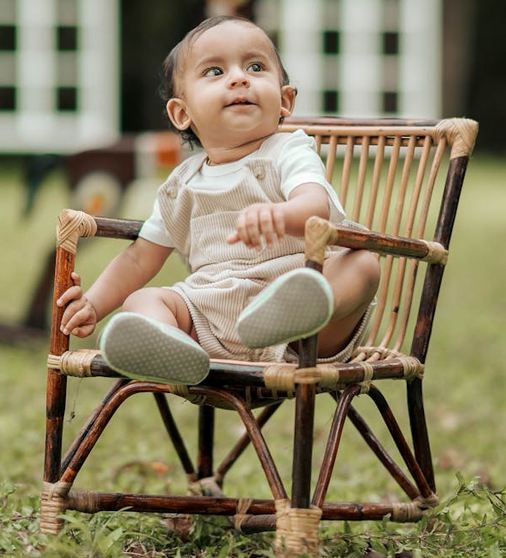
(204, 487)
(285, 377)
(414, 510)
(209, 486)
(279, 377)
(85, 501)
(72, 225)
(242, 512)
(437, 253)
(73, 363)
(412, 367)
(365, 385)
(297, 530)
(52, 504)
(318, 233)
(183, 391)
(460, 133)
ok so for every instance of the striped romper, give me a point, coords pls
(225, 277)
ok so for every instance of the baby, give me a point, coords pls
(236, 211)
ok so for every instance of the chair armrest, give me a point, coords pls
(320, 233)
(118, 228)
(72, 225)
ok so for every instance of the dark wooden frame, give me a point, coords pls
(231, 384)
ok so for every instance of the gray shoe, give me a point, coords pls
(145, 349)
(294, 306)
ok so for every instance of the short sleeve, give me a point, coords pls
(299, 164)
(154, 228)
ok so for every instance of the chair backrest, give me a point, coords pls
(402, 178)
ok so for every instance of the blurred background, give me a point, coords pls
(82, 126)
(79, 85)
(79, 73)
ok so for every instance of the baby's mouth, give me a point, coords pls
(239, 101)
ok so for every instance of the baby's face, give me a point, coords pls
(229, 91)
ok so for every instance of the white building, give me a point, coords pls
(363, 58)
(58, 74)
(60, 66)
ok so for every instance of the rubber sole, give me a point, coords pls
(295, 306)
(145, 349)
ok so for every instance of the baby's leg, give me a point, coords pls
(354, 278)
(303, 301)
(152, 340)
(163, 305)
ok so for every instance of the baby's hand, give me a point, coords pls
(257, 221)
(80, 316)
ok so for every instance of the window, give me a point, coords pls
(390, 101)
(66, 37)
(390, 43)
(7, 98)
(66, 99)
(330, 101)
(331, 42)
(7, 37)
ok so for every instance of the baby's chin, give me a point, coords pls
(253, 139)
(242, 133)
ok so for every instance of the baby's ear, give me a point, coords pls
(288, 94)
(178, 113)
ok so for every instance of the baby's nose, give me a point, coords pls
(239, 78)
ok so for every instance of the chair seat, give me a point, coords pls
(261, 383)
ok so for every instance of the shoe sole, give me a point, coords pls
(144, 349)
(295, 306)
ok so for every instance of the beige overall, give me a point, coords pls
(225, 277)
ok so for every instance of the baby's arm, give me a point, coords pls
(129, 271)
(272, 221)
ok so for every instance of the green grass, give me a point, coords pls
(464, 388)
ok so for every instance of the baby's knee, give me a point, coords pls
(368, 268)
(137, 300)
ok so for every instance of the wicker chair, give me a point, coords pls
(401, 179)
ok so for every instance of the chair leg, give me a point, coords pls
(206, 442)
(297, 522)
(380, 452)
(250, 423)
(303, 445)
(55, 412)
(244, 442)
(403, 447)
(89, 425)
(334, 439)
(303, 428)
(54, 494)
(419, 430)
(175, 435)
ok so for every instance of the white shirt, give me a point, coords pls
(297, 163)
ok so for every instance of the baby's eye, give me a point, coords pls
(214, 71)
(255, 67)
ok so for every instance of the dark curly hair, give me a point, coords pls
(173, 61)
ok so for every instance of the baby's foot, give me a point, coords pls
(145, 349)
(294, 306)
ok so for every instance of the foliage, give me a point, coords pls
(471, 522)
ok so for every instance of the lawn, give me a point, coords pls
(464, 387)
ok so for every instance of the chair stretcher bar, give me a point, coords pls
(91, 502)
